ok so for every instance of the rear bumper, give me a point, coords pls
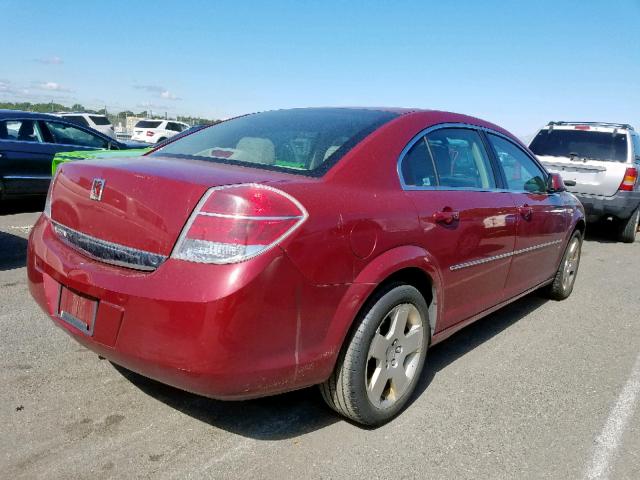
(621, 205)
(223, 331)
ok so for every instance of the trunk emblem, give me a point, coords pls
(97, 187)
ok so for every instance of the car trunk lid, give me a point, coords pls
(143, 203)
(596, 177)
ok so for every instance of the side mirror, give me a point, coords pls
(555, 183)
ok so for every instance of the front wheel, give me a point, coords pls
(565, 276)
(630, 227)
(379, 367)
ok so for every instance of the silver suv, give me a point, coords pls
(599, 163)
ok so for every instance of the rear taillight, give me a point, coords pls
(629, 180)
(237, 222)
(149, 133)
(47, 203)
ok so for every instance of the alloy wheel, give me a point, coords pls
(394, 355)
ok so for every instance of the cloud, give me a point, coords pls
(152, 106)
(53, 60)
(168, 95)
(51, 86)
(158, 91)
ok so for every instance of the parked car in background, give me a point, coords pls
(64, 157)
(156, 131)
(284, 249)
(28, 143)
(91, 120)
(600, 163)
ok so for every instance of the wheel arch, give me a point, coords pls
(408, 264)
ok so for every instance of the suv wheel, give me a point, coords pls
(380, 365)
(565, 276)
(630, 227)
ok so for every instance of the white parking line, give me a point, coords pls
(611, 436)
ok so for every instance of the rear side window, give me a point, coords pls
(147, 124)
(174, 127)
(521, 172)
(99, 120)
(20, 130)
(77, 119)
(299, 140)
(417, 166)
(636, 147)
(581, 143)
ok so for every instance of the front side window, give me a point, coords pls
(65, 134)
(521, 172)
(581, 143)
(297, 140)
(460, 159)
(20, 130)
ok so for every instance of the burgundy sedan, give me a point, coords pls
(290, 248)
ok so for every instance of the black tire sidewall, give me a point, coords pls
(360, 343)
(567, 291)
(629, 228)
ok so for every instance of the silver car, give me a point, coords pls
(599, 163)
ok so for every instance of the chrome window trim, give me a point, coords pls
(27, 177)
(481, 261)
(416, 138)
(60, 120)
(119, 255)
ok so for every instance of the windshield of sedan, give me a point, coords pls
(581, 144)
(307, 141)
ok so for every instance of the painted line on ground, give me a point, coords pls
(609, 440)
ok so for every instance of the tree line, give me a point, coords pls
(112, 116)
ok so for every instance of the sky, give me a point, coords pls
(516, 63)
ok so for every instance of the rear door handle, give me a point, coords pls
(446, 216)
(525, 211)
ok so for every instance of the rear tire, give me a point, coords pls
(565, 276)
(160, 140)
(380, 364)
(630, 227)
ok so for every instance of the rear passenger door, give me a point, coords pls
(468, 221)
(25, 160)
(542, 217)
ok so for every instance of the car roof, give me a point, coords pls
(62, 114)
(598, 126)
(6, 114)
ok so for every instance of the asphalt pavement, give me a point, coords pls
(540, 389)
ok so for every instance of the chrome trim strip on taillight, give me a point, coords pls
(198, 211)
(108, 252)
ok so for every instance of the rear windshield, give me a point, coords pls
(582, 144)
(99, 120)
(147, 124)
(306, 141)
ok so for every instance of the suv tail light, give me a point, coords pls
(236, 222)
(149, 133)
(629, 180)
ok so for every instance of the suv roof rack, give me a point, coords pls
(601, 124)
